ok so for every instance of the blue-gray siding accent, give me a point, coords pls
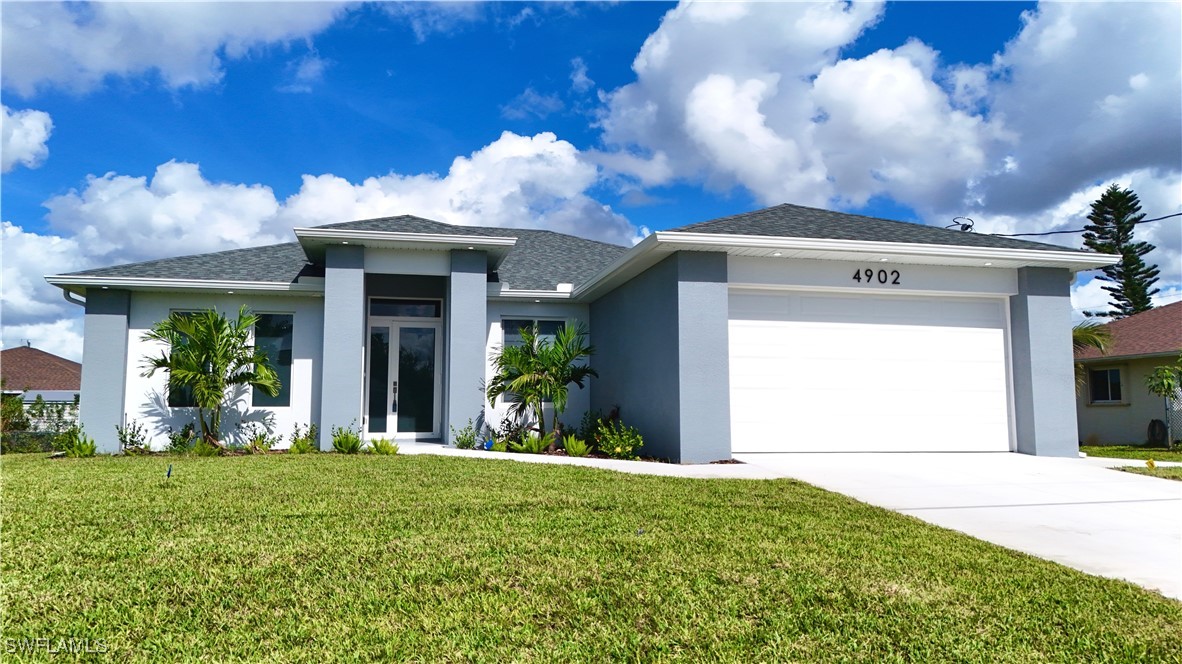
(104, 366)
(661, 353)
(704, 350)
(345, 327)
(1044, 383)
(467, 309)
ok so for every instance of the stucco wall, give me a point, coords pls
(663, 341)
(104, 357)
(146, 399)
(1124, 423)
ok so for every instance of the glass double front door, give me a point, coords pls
(403, 379)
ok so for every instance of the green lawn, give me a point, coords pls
(1132, 452)
(1166, 472)
(329, 557)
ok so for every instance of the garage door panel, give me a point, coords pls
(862, 381)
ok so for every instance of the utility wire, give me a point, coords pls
(1081, 230)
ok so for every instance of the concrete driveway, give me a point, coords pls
(1073, 511)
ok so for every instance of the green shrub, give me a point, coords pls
(575, 446)
(259, 437)
(133, 438)
(181, 442)
(532, 443)
(383, 446)
(303, 439)
(204, 448)
(618, 441)
(589, 425)
(16, 442)
(465, 438)
(500, 445)
(346, 440)
(76, 444)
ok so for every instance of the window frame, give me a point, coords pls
(509, 397)
(254, 392)
(1120, 386)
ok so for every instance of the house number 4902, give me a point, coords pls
(869, 276)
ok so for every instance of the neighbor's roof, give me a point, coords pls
(1154, 332)
(26, 368)
(805, 222)
(540, 259)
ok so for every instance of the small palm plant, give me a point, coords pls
(1088, 334)
(208, 354)
(541, 370)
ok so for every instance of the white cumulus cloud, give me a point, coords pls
(76, 46)
(24, 137)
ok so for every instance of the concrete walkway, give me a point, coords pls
(1077, 512)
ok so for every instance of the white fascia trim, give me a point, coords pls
(63, 281)
(496, 291)
(341, 234)
(710, 240)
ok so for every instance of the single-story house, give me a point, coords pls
(33, 373)
(1114, 406)
(784, 329)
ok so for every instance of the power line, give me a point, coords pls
(1081, 230)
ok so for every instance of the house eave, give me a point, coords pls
(79, 284)
(661, 243)
(1110, 359)
(315, 242)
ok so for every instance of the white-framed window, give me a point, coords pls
(511, 336)
(273, 333)
(1104, 385)
(547, 329)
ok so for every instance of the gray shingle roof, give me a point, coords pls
(804, 222)
(279, 263)
(540, 260)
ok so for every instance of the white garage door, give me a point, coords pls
(814, 372)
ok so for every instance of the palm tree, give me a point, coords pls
(208, 354)
(540, 370)
(1084, 335)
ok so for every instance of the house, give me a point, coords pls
(33, 373)
(1114, 406)
(784, 329)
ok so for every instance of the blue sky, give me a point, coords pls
(139, 131)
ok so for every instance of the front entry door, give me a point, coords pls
(404, 379)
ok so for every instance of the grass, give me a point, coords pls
(1164, 472)
(1132, 452)
(329, 557)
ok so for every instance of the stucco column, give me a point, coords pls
(703, 357)
(467, 305)
(104, 366)
(343, 372)
(1044, 377)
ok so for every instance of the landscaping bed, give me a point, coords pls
(326, 557)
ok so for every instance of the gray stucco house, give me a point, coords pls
(783, 329)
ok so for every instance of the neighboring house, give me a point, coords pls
(784, 329)
(1114, 406)
(34, 373)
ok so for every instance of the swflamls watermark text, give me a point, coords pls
(69, 646)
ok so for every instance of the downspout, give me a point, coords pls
(68, 297)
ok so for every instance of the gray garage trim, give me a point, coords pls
(1043, 373)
